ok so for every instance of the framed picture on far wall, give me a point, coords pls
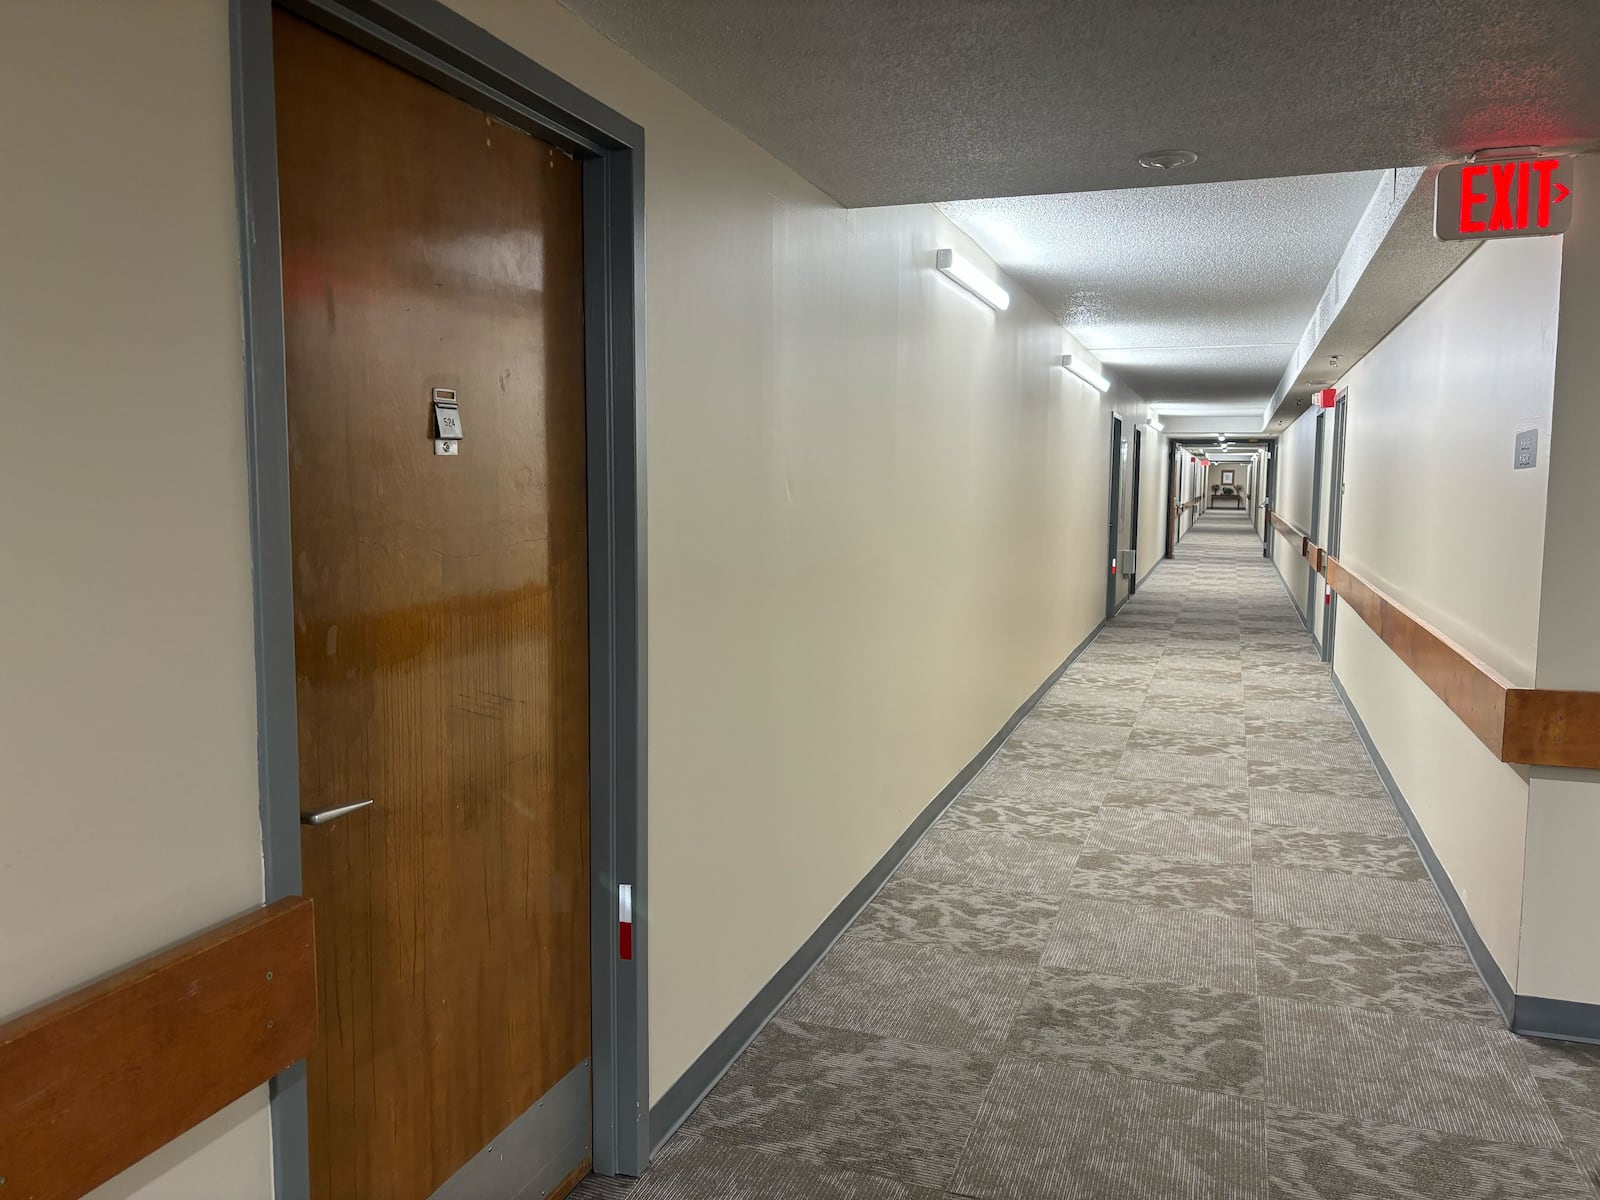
(1227, 477)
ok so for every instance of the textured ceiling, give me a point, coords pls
(1196, 293)
(900, 101)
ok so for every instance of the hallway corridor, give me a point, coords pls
(1173, 941)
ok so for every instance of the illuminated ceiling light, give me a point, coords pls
(1086, 373)
(974, 280)
(1167, 160)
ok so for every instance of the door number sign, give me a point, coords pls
(446, 422)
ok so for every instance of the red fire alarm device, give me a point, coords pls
(1503, 198)
(1327, 397)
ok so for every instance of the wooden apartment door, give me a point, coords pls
(441, 649)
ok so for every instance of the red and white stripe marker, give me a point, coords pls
(625, 921)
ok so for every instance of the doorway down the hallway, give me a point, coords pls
(1173, 941)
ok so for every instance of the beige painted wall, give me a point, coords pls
(127, 702)
(876, 523)
(1435, 516)
(1562, 885)
(1297, 447)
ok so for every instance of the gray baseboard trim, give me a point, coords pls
(684, 1096)
(1493, 977)
(1562, 1020)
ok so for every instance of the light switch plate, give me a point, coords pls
(1527, 454)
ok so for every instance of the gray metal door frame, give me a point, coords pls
(1316, 518)
(439, 45)
(1116, 497)
(1133, 526)
(1330, 615)
(1271, 497)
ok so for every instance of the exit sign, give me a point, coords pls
(1511, 197)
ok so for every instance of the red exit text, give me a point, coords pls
(1521, 197)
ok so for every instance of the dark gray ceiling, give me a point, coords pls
(901, 101)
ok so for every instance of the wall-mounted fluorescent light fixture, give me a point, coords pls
(974, 280)
(1155, 423)
(1086, 373)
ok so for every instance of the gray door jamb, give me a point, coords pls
(439, 45)
(1116, 498)
(1330, 617)
(1316, 518)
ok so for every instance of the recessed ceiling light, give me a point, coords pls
(1166, 160)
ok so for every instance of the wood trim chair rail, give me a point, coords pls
(1534, 726)
(96, 1080)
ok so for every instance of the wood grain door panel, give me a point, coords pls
(440, 610)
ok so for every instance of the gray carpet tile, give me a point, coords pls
(1329, 1158)
(1367, 970)
(1199, 719)
(1106, 650)
(1220, 690)
(1026, 816)
(1190, 946)
(691, 1168)
(1568, 1075)
(1286, 776)
(1586, 1156)
(915, 912)
(1192, 652)
(603, 1187)
(991, 860)
(1172, 834)
(1348, 903)
(1007, 777)
(1390, 855)
(846, 1099)
(1158, 764)
(1198, 1037)
(1118, 676)
(1311, 717)
(1230, 705)
(1311, 753)
(934, 995)
(1063, 758)
(1185, 741)
(1087, 705)
(1171, 943)
(1281, 729)
(1050, 1132)
(1450, 1076)
(1310, 668)
(1314, 812)
(1286, 693)
(1153, 880)
(1197, 799)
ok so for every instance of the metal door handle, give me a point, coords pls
(325, 815)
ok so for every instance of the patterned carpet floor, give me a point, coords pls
(1173, 941)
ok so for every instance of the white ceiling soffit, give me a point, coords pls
(896, 103)
(1392, 263)
(1190, 294)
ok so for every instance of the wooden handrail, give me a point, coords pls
(1536, 726)
(94, 1081)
